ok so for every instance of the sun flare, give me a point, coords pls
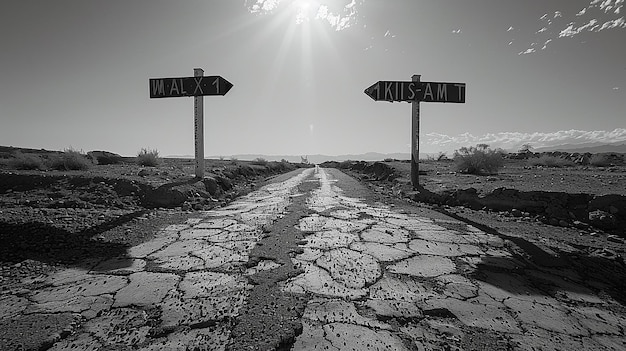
(339, 14)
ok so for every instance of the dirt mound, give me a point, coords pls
(374, 170)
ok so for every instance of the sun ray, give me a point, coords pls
(279, 61)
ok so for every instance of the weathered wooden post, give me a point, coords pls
(415, 139)
(198, 123)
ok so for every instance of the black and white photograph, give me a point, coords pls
(294, 175)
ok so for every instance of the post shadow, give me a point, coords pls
(610, 272)
(47, 243)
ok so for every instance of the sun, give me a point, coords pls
(304, 10)
(338, 14)
(303, 5)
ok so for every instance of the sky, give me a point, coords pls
(74, 74)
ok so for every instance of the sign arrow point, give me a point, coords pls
(227, 85)
(372, 91)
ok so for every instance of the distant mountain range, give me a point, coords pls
(370, 156)
(376, 156)
(593, 148)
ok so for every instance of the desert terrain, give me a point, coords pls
(550, 207)
(53, 222)
(58, 217)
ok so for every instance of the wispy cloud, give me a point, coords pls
(598, 16)
(263, 5)
(389, 34)
(434, 142)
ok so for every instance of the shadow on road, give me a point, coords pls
(597, 273)
(54, 245)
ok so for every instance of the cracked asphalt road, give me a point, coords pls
(314, 261)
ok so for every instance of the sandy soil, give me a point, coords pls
(442, 176)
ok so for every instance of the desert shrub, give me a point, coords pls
(259, 161)
(478, 159)
(284, 161)
(25, 161)
(550, 161)
(149, 158)
(388, 160)
(600, 160)
(70, 160)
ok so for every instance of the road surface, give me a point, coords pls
(313, 261)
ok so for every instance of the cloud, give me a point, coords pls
(389, 34)
(434, 142)
(608, 5)
(264, 5)
(597, 16)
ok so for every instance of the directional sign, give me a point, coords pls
(188, 86)
(417, 91)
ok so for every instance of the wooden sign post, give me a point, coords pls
(197, 86)
(416, 91)
(198, 125)
(415, 139)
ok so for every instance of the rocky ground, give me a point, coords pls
(54, 219)
(592, 250)
(50, 219)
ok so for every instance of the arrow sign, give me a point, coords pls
(188, 86)
(417, 91)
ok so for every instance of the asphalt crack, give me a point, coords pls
(271, 318)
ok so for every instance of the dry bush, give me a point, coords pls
(70, 160)
(550, 161)
(25, 161)
(600, 160)
(479, 159)
(149, 158)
